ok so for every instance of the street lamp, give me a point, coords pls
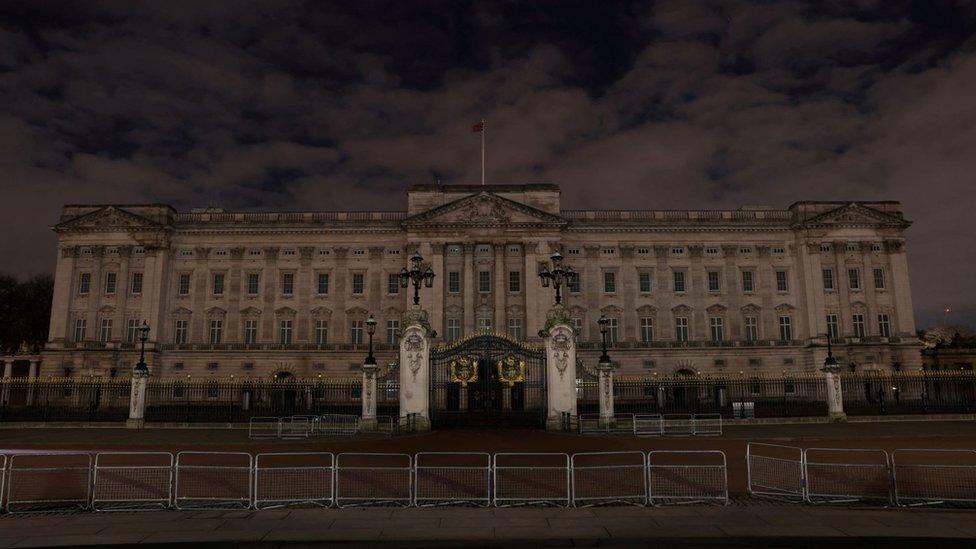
(604, 361)
(830, 362)
(141, 368)
(370, 329)
(417, 274)
(559, 275)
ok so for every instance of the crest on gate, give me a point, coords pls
(511, 370)
(464, 370)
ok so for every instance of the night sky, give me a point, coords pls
(320, 105)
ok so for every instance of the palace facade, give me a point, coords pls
(288, 293)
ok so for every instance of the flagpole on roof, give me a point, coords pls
(483, 128)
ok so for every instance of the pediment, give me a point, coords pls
(681, 309)
(182, 311)
(716, 309)
(646, 310)
(285, 311)
(750, 308)
(854, 215)
(216, 311)
(321, 312)
(484, 209)
(109, 218)
(250, 311)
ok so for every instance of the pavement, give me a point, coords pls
(769, 525)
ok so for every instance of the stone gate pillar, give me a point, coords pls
(835, 397)
(605, 372)
(137, 399)
(415, 343)
(368, 420)
(560, 370)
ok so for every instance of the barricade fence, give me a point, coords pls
(652, 424)
(40, 480)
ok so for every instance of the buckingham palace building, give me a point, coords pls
(287, 294)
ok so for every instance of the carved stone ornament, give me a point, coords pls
(485, 210)
(561, 345)
(416, 316)
(557, 315)
(413, 344)
(511, 370)
(464, 370)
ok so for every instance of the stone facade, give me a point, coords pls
(259, 294)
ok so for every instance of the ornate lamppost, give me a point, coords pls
(604, 368)
(370, 330)
(604, 357)
(418, 274)
(141, 368)
(557, 276)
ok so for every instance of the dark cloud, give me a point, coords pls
(671, 104)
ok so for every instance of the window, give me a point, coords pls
(392, 327)
(648, 364)
(681, 328)
(453, 329)
(828, 279)
(577, 329)
(825, 247)
(643, 251)
(356, 332)
(779, 251)
(131, 330)
(250, 331)
(884, 325)
(679, 281)
(484, 282)
(322, 284)
(573, 251)
(748, 281)
(879, 278)
(484, 323)
(715, 325)
(179, 332)
(110, 282)
(612, 334)
(184, 284)
(357, 283)
(216, 331)
(287, 283)
(677, 251)
(84, 283)
(574, 283)
(876, 247)
(858, 325)
(253, 283)
(852, 246)
(854, 279)
(135, 284)
(782, 285)
(105, 330)
(711, 250)
(609, 282)
(752, 328)
(284, 332)
(514, 281)
(647, 329)
(321, 332)
(714, 283)
(393, 284)
(220, 253)
(213, 366)
(515, 328)
(80, 329)
(785, 328)
(218, 284)
(359, 252)
(832, 330)
(644, 282)
(453, 282)
(247, 366)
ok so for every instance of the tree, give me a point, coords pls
(25, 312)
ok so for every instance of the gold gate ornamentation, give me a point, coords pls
(464, 370)
(511, 370)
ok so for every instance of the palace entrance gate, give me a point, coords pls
(487, 381)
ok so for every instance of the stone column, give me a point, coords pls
(469, 289)
(835, 397)
(32, 376)
(500, 288)
(560, 370)
(530, 283)
(605, 372)
(137, 400)
(415, 369)
(368, 420)
(64, 290)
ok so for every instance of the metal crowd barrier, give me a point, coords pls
(589, 423)
(931, 476)
(301, 478)
(264, 427)
(648, 425)
(775, 471)
(213, 480)
(609, 477)
(687, 477)
(374, 479)
(338, 424)
(132, 481)
(526, 479)
(295, 427)
(49, 481)
(452, 478)
(835, 475)
(387, 424)
(707, 424)
(678, 425)
(3, 476)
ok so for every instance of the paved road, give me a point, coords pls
(764, 525)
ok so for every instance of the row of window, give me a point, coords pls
(854, 279)
(110, 283)
(105, 330)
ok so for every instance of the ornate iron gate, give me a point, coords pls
(487, 380)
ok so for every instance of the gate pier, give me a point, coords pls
(415, 370)
(560, 369)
